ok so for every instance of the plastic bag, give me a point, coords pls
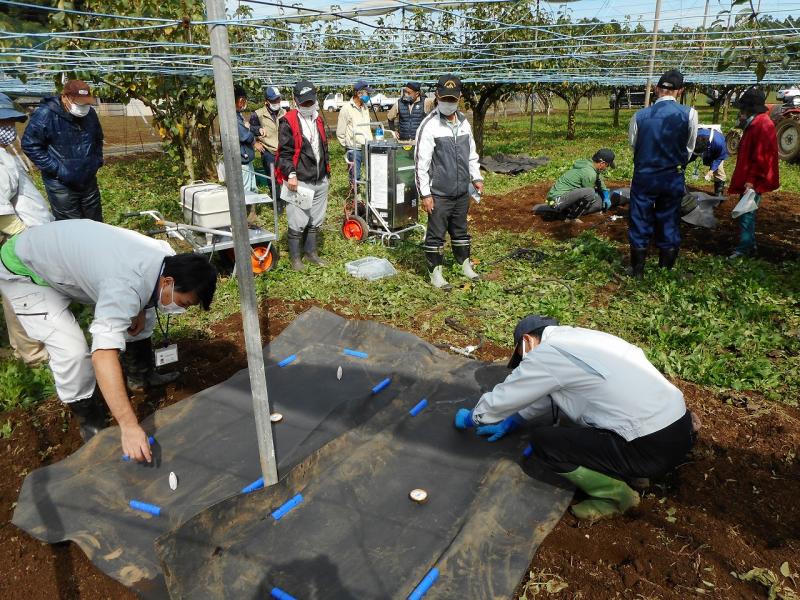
(370, 268)
(746, 204)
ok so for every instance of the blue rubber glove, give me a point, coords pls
(495, 431)
(463, 419)
(606, 199)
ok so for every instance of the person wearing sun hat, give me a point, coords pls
(756, 162)
(64, 140)
(21, 206)
(631, 423)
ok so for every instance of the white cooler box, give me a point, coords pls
(206, 205)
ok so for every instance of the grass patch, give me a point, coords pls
(731, 325)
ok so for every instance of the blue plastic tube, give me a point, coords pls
(145, 507)
(424, 585)
(256, 485)
(279, 594)
(281, 511)
(528, 452)
(289, 359)
(418, 408)
(382, 385)
(356, 353)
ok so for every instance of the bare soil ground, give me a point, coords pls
(731, 507)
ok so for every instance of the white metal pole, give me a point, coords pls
(229, 134)
(652, 54)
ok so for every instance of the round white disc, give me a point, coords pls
(339, 373)
(173, 481)
(276, 417)
(418, 495)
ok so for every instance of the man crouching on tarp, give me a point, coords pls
(631, 422)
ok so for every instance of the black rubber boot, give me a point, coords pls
(666, 257)
(140, 372)
(92, 415)
(719, 188)
(461, 253)
(638, 256)
(312, 236)
(295, 255)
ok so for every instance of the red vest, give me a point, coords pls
(293, 120)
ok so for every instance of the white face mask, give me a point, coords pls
(524, 351)
(275, 107)
(447, 108)
(8, 133)
(79, 110)
(170, 308)
(308, 111)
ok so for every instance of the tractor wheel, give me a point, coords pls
(354, 228)
(789, 140)
(732, 140)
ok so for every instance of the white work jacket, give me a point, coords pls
(18, 194)
(597, 380)
(353, 128)
(93, 263)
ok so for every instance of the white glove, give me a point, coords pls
(709, 176)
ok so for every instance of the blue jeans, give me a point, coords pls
(249, 178)
(747, 230)
(267, 159)
(354, 157)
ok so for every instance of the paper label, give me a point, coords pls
(378, 180)
(401, 193)
(303, 198)
(168, 355)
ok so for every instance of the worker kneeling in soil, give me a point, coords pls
(631, 422)
(126, 276)
(581, 190)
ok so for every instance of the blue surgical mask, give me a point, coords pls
(365, 98)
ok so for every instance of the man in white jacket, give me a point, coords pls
(446, 163)
(21, 206)
(631, 422)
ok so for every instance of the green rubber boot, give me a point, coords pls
(609, 497)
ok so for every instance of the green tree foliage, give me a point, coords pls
(184, 106)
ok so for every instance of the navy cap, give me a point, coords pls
(304, 91)
(271, 93)
(9, 111)
(606, 155)
(671, 80)
(414, 85)
(527, 325)
(361, 85)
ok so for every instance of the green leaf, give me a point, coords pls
(785, 570)
(761, 70)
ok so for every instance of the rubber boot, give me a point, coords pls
(638, 256)
(666, 257)
(719, 188)
(461, 252)
(91, 413)
(295, 240)
(140, 372)
(609, 497)
(312, 234)
(438, 281)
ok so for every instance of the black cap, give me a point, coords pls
(671, 80)
(448, 85)
(239, 92)
(414, 85)
(752, 100)
(304, 91)
(606, 155)
(527, 325)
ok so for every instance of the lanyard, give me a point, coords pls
(164, 332)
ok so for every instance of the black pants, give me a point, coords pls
(449, 216)
(69, 203)
(578, 202)
(564, 449)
